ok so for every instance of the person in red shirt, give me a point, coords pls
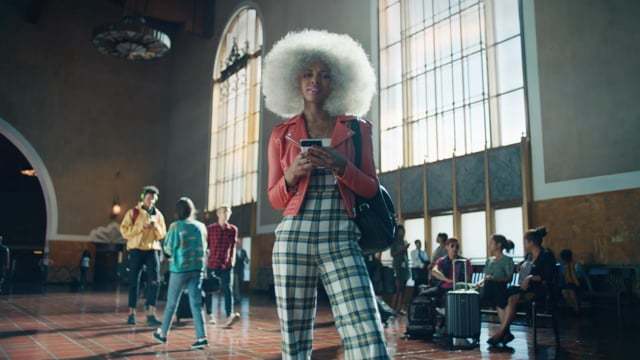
(223, 238)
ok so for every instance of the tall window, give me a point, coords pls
(440, 224)
(473, 235)
(451, 78)
(509, 224)
(414, 231)
(236, 112)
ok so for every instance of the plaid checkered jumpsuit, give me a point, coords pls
(321, 241)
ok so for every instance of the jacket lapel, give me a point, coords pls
(296, 130)
(342, 131)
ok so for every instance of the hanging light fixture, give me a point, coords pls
(131, 38)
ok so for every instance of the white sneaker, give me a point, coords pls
(212, 320)
(232, 319)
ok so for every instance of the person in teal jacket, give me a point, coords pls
(186, 246)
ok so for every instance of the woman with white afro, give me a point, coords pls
(321, 82)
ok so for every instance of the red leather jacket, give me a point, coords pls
(283, 151)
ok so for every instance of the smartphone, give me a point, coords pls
(305, 144)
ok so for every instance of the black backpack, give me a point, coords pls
(375, 217)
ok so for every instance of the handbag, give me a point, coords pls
(375, 217)
(210, 284)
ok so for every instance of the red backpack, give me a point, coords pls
(134, 215)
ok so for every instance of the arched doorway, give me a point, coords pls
(28, 217)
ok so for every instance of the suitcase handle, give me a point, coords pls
(466, 273)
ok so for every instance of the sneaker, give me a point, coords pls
(152, 321)
(200, 344)
(507, 338)
(493, 341)
(232, 319)
(159, 338)
(131, 320)
(212, 320)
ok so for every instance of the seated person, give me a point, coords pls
(569, 281)
(498, 272)
(440, 250)
(443, 270)
(532, 287)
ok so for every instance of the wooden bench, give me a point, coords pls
(609, 285)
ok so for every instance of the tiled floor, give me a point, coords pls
(92, 325)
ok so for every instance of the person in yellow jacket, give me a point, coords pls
(143, 227)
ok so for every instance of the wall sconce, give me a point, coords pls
(115, 208)
(28, 172)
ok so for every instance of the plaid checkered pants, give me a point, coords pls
(321, 242)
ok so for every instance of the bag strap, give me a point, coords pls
(134, 215)
(357, 141)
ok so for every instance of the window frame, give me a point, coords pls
(233, 168)
(460, 141)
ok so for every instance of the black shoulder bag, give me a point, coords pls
(375, 217)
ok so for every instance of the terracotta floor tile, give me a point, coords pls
(92, 325)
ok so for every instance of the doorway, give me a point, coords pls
(23, 216)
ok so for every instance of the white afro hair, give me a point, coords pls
(353, 80)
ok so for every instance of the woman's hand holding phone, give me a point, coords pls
(300, 167)
(329, 158)
(315, 153)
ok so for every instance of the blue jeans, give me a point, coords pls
(192, 280)
(226, 286)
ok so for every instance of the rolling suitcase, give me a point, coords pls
(210, 284)
(421, 322)
(184, 308)
(463, 313)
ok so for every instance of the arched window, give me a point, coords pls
(236, 112)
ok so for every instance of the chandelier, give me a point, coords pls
(131, 39)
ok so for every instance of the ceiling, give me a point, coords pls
(170, 16)
(193, 16)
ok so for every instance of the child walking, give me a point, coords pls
(186, 244)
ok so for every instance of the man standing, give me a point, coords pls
(44, 264)
(5, 261)
(85, 263)
(419, 261)
(143, 227)
(242, 259)
(223, 238)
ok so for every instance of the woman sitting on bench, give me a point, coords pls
(533, 286)
(443, 270)
(498, 272)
